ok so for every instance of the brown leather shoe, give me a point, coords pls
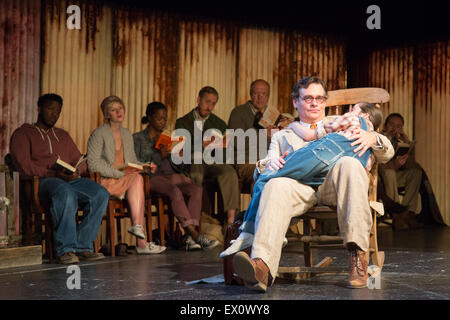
(400, 221)
(254, 272)
(357, 275)
(412, 221)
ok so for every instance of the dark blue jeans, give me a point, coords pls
(63, 199)
(309, 165)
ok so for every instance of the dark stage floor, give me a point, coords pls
(417, 266)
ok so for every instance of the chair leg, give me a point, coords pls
(161, 220)
(306, 245)
(149, 219)
(96, 245)
(376, 256)
(172, 227)
(111, 228)
(49, 238)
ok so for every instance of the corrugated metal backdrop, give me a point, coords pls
(20, 34)
(142, 55)
(144, 62)
(432, 118)
(418, 80)
(206, 57)
(77, 64)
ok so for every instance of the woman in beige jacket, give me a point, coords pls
(109, 147)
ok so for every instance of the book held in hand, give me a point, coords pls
(130, 166)
(270, 117)
(67, 166)
(403, 148)
(165, 140)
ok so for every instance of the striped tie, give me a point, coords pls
(313, 125)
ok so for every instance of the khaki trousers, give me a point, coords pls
(227, 180)
(245, 172)
(410, 178)
(346, 187)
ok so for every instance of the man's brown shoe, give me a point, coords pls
(357, 275)
(90, 256)
(412, 221)
(400, 221)
(67, 258)
(254, 272)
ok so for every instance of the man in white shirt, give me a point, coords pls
(345, 187)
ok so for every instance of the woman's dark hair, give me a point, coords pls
(374, 112)
(151, 109)
(393, 115)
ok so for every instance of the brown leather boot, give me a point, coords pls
(357, 275)
(254, 272)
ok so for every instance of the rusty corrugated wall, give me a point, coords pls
(432, 118)
(20, 34)
(142, 55)
(322, 56)
(207, 57)
(144, 61)
(258, 59)
(77, 64)
(392, 69)
(417, 78)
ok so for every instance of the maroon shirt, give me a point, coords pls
(35, 151)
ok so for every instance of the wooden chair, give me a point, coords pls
(313, 219)
(36, 218)
(118, 208)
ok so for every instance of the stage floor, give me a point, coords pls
(417, 266)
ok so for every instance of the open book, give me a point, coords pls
(130, 165)
(67, 166)
(404, 148)
(165, 139)
(270, 117)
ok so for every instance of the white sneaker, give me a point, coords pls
(151, 248)
(137, 231)
(206, 243)
(244, 241)
(191, 244)
(285, 242)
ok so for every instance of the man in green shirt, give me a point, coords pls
(202, 119)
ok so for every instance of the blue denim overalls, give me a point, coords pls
(308, 165)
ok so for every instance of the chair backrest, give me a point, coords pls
(338, 98)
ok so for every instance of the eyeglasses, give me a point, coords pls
(310, 99)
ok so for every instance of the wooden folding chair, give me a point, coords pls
(36, 218)
(312, 219)
(118, 208)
